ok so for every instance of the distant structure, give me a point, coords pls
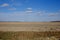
(55, 21)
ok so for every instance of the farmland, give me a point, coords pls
(29, 30)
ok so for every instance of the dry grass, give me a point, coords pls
(48, 34)
(24, 35)
(30, 26)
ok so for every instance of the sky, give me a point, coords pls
(30, 10)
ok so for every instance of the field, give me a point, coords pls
(29, 30)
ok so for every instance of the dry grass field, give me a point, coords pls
(29, 30)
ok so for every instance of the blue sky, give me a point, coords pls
(29, 10)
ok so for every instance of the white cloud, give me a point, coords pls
(53, 14)
(29, 8)
(5, 5)
(39, 12)
(18, 13)
(12, 9)
(17, 4)
(29, 11)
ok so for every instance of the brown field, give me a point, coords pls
(29, 30)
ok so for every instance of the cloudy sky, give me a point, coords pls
(29, 10)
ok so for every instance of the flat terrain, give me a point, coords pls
(29, 26)
(29, 30)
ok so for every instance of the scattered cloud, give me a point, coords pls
(12, 9)
(39, 13)
(5, 5)
(53, 14)
(17, 4)
(18, 13)
(29, 8)
(21, 15)
(29, 11)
